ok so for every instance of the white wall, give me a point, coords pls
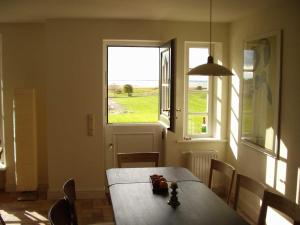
(73, 72)
(62, 60)
(285, 17)
(23, 67)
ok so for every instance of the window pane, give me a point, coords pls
(165, 80)
(198, 94)
(133, 74)
(247, 124)
(197, 124)
(197, 56)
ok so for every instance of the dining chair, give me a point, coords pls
(280, 203)
(137, 157)
(1, 220)
(251, 185)
(69, 189)
(70, 196)
(59, 213)
(224, 168)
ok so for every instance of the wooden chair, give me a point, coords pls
(224, 168)
(251, 185)
(59, 213)
(70, 196)
(69, 189)
(1, 220)
(280, 203)
(136, 157)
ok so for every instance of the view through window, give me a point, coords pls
(133, 84)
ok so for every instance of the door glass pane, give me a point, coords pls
(165, 85)
(133, 84)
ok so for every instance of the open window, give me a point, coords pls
(167, 84)
(141, 83)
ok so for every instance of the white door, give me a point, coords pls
(131, 138)
(136, 98)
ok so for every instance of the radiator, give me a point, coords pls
(198, 162)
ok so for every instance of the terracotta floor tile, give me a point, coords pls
(90, 211)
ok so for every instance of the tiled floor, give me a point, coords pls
(36, 212)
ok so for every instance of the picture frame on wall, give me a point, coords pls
(261, 92)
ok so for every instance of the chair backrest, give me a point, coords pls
(251, 185)
(1, 220)
(59, 213)
(70, 195)
(224, 168)
(280, 203)
(138, 157)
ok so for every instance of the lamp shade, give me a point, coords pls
(210, 69)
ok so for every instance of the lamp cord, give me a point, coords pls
(210, 18)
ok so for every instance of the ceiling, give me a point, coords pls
(182, 10)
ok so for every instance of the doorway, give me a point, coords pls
(133, 90)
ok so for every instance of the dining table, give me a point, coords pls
(135, 203)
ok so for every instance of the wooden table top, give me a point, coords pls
(142, 175)
(135, 204)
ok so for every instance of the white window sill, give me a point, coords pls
(196, 140)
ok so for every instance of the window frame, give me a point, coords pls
(122, 43)
(167, 120)
(210, 93)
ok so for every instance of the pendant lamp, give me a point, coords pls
(210, 68)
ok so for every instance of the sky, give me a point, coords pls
(133, 63)
(137, 64)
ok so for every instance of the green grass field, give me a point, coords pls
(142, 107)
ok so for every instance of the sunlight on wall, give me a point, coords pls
(2, 134)
(276, 170)
(298, 187)
(270, 171)
(283, 150)
(281, 176)
(219, 87)
(219, 118)
(233, 145)
(234, 115)
(14, 138)
(269, 141)
(234, 132)
(219, 107)
(274, 218)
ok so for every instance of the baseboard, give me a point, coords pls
(12, 187)
(80, 194)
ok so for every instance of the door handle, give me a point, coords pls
(110, 147)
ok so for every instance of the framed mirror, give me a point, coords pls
(261, 92)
